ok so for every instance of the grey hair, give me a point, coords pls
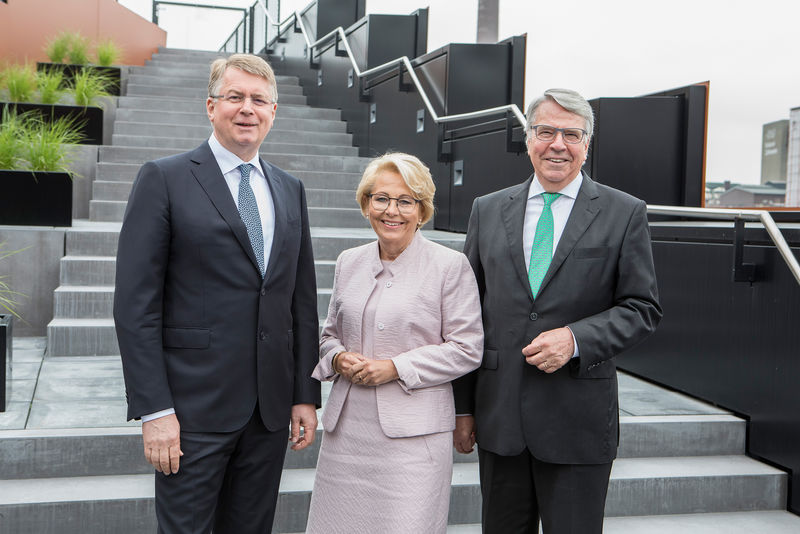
(248, 63)
(568, 99)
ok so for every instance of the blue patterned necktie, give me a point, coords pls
(542, 249)
(248, 209)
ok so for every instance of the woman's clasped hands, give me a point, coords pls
(363, 371)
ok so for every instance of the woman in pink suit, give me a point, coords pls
(404, 320)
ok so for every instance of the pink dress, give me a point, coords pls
(367, 481)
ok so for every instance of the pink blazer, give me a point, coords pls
(431, 329)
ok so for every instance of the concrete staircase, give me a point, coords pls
(675, 470)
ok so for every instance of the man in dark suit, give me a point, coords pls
(215, 311)
(565, 271)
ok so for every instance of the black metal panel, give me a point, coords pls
(638, 147)
(35, 198)
(5, 360)
(732, 344)
(334, 13)
(88, 120)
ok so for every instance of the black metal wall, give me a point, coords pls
(384, 112)
(734, 344)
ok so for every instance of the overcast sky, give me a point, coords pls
(611, 48)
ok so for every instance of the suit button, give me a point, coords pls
(262, 336)
(381, 326)
(388, 284)
(263, 292)
(533, 316)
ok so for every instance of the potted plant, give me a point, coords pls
(35, 179)
(47, 93)
(74, 49)
(9, 299)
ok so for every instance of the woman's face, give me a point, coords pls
(395, 228)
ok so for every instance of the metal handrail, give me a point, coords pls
(395, 62)
(734, 213)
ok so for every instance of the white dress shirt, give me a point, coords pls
(561, 208)
(229, 165)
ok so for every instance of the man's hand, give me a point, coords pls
(551, 350)
(374, 372)
(305, 416)
(464, 434)
(162, 443)
(345, 362)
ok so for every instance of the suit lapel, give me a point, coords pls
(583, 213)
(514, 219)
(208, 174)
(277, 189)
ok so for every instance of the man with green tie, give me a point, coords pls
(565, 271)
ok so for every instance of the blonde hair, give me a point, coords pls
(248, 63)
(415, 174)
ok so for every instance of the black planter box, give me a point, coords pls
(35, 198)
(5, 360)
(90, 118)
(69, 70)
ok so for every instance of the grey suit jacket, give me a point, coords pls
(601, 283)
(198, 328)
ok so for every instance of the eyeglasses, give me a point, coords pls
(405, 204)
(233, 98)
(547, 133)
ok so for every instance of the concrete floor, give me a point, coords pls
(88, 392)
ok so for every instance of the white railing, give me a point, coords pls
(296, 18)
(734, 213)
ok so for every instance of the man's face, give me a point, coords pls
(242, 127)
(556, 162)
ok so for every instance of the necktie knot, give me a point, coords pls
(548, 198)
(244, 168)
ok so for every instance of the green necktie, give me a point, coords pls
(542, 249)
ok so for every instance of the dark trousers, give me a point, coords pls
(228, 481)
(519, 490)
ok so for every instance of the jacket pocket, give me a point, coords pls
(186, 338)
(587, 253)
(489, 359)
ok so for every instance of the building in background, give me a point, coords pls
(769, 195)
(793, 160)
(774, 151)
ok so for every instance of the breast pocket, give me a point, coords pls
(589, 253)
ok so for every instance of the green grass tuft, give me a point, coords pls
(108, 53)
(50, 85)
(88, 85)
(20, 82)
(79, 50)
(58, 48)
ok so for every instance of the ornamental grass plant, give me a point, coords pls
(58, 47)
(78, 53)
(88, 86)
(29, 143)
(9, 299)
(107, 53)
(51, 86)
(19, 82)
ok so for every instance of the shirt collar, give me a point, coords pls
(229, 161)
(570, 190)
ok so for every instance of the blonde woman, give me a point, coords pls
(404, 320)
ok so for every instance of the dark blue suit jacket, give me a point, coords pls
(198, 328)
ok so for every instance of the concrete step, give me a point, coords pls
(200, 118)
(93, 239)
(271, 145)
(83, 302)
(203, 130)
(88, 270)
(288, 162)
(196, 70)
(114, 210)
(325, 270)
(165, 51)
(772, 522)
(334, 198)
(196, 93)
(198, 82)
(81, 337)
(307, 139)
(126, 172)
(732, 484)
